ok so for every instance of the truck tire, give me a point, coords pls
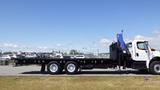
(155, 67)
(71, 67)
(54, 67)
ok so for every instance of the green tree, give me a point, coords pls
(73, 52)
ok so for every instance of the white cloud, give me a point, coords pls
(154, 39)
(156, 32)
(139, 37)
(105, 42)
(144, 37)
(42, 47)
(58, 45)
(9, 45)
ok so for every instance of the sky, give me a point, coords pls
(85, 25)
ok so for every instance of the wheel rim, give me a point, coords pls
(71, 68)
(53, 67)
(157, 68)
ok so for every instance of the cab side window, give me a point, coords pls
(142, 45)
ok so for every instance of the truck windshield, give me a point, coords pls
(142, 45)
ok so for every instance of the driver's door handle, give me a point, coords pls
(137, 54)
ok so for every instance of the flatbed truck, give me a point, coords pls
(136, 55)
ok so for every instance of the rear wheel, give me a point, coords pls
(54, 68)
(155, 67)
(71, 67)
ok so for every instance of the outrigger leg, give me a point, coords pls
(43, 66)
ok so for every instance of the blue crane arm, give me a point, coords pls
(121, 42)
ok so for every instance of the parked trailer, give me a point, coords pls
(136, 55)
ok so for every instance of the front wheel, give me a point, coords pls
(155, 67)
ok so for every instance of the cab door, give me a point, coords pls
(141, 51)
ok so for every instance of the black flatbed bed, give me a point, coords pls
(47, 60)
